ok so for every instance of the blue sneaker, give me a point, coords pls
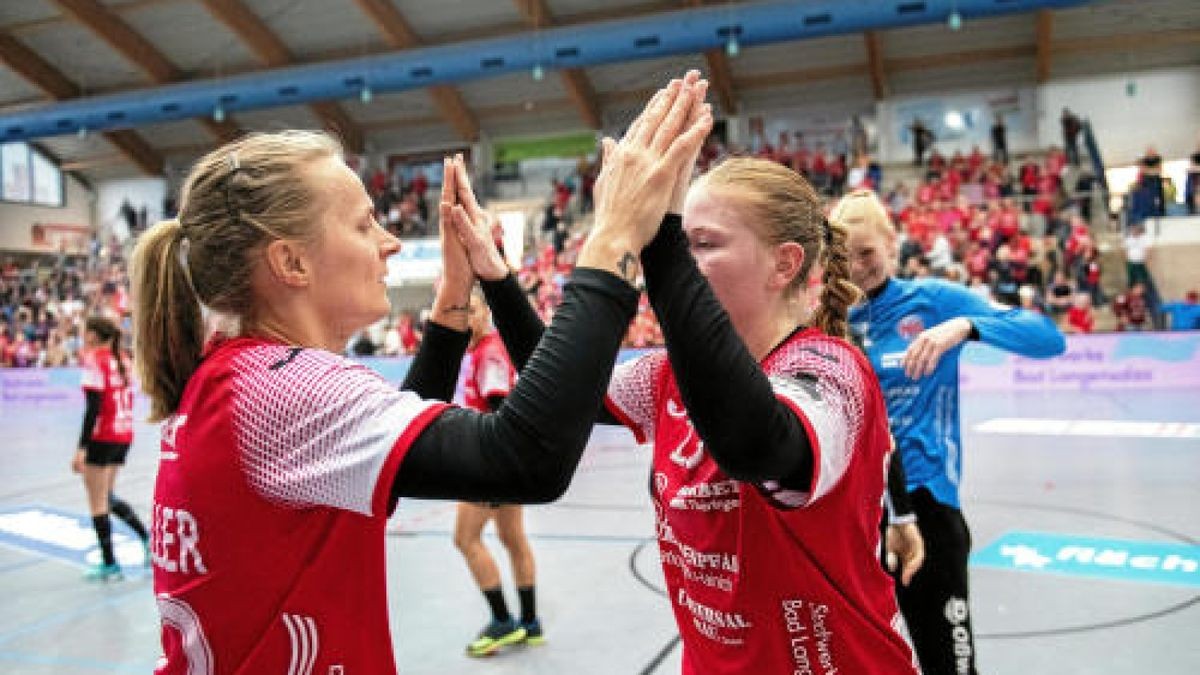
(533, 633)
(495, 635)
(104, 573)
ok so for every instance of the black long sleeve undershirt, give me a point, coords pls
(900, 509)
(527, 451)
(94, 400)
(434, 370)
(750, 434)
(520, 327)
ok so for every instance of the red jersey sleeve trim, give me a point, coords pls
(638, 433)
(387, 475)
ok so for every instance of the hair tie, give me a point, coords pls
(827, 231)
(185, 247)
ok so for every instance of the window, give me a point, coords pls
(27, 175)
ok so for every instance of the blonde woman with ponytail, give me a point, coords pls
(769, 429)
(913, 332)
(281, 460)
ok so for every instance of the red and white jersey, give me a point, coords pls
(488, 372)
(114, 424)
(269, 512)
(763, 579)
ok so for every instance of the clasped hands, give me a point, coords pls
(642, 176)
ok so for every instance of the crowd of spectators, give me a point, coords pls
(43, 307)
(1014, 232)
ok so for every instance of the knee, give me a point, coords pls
(465, 542)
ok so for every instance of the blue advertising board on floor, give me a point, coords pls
(1111, 559)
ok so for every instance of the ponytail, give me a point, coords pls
(167, 320)
(110, 333)
(838, 293)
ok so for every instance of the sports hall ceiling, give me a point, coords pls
(54, 50)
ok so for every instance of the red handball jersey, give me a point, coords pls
(269, 512)
(763, 579)
(114, 424)
(489, 373)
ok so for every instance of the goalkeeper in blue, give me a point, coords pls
(914, 331)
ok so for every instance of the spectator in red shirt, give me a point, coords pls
(1080, 318)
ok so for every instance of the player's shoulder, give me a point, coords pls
(810, 346)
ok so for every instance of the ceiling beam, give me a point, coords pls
(139, 51)
(1128, 42)
(400, 35)
(575, 80)
(272, 52)
(42, 74)
(879, 84)
(1045, 33)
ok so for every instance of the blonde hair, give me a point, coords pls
(863, 208)
(236, 199)
(788, 209)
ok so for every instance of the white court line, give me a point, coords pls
(1101, 428)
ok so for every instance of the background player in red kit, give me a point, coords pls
(489, 378)
(280, 460)
(770, 434)
(105, 438)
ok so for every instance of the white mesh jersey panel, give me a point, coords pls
(494, 378)
(824, 381)
(317, 430)
(632, 387)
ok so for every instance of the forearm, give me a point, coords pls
(527, 451)
(1021, 332)
(434, 370)
(899, 503)
(748, 431)
(93, 401)
(519, 326)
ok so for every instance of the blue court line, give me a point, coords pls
(76, 662)
(58, 618)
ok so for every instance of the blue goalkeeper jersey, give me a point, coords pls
(924, 413)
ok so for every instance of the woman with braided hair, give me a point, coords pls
(769, 429)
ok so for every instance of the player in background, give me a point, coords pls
(913, 332)
(281, 460)
(105, 438)
(489, 378)
(769, 429)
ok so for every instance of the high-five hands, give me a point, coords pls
(638, 178)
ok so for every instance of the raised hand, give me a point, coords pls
(639, 174)
(923, 353)
(473, 227)
(454, 292)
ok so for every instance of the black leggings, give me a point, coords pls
(935, 604)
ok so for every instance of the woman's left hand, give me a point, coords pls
(922, 356)
(78, 460)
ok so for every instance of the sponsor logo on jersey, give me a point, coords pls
(910, 326)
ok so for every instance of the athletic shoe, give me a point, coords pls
(494, 636)
(533, 633)
(104, 573)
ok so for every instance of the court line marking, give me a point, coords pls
(1091, 428)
